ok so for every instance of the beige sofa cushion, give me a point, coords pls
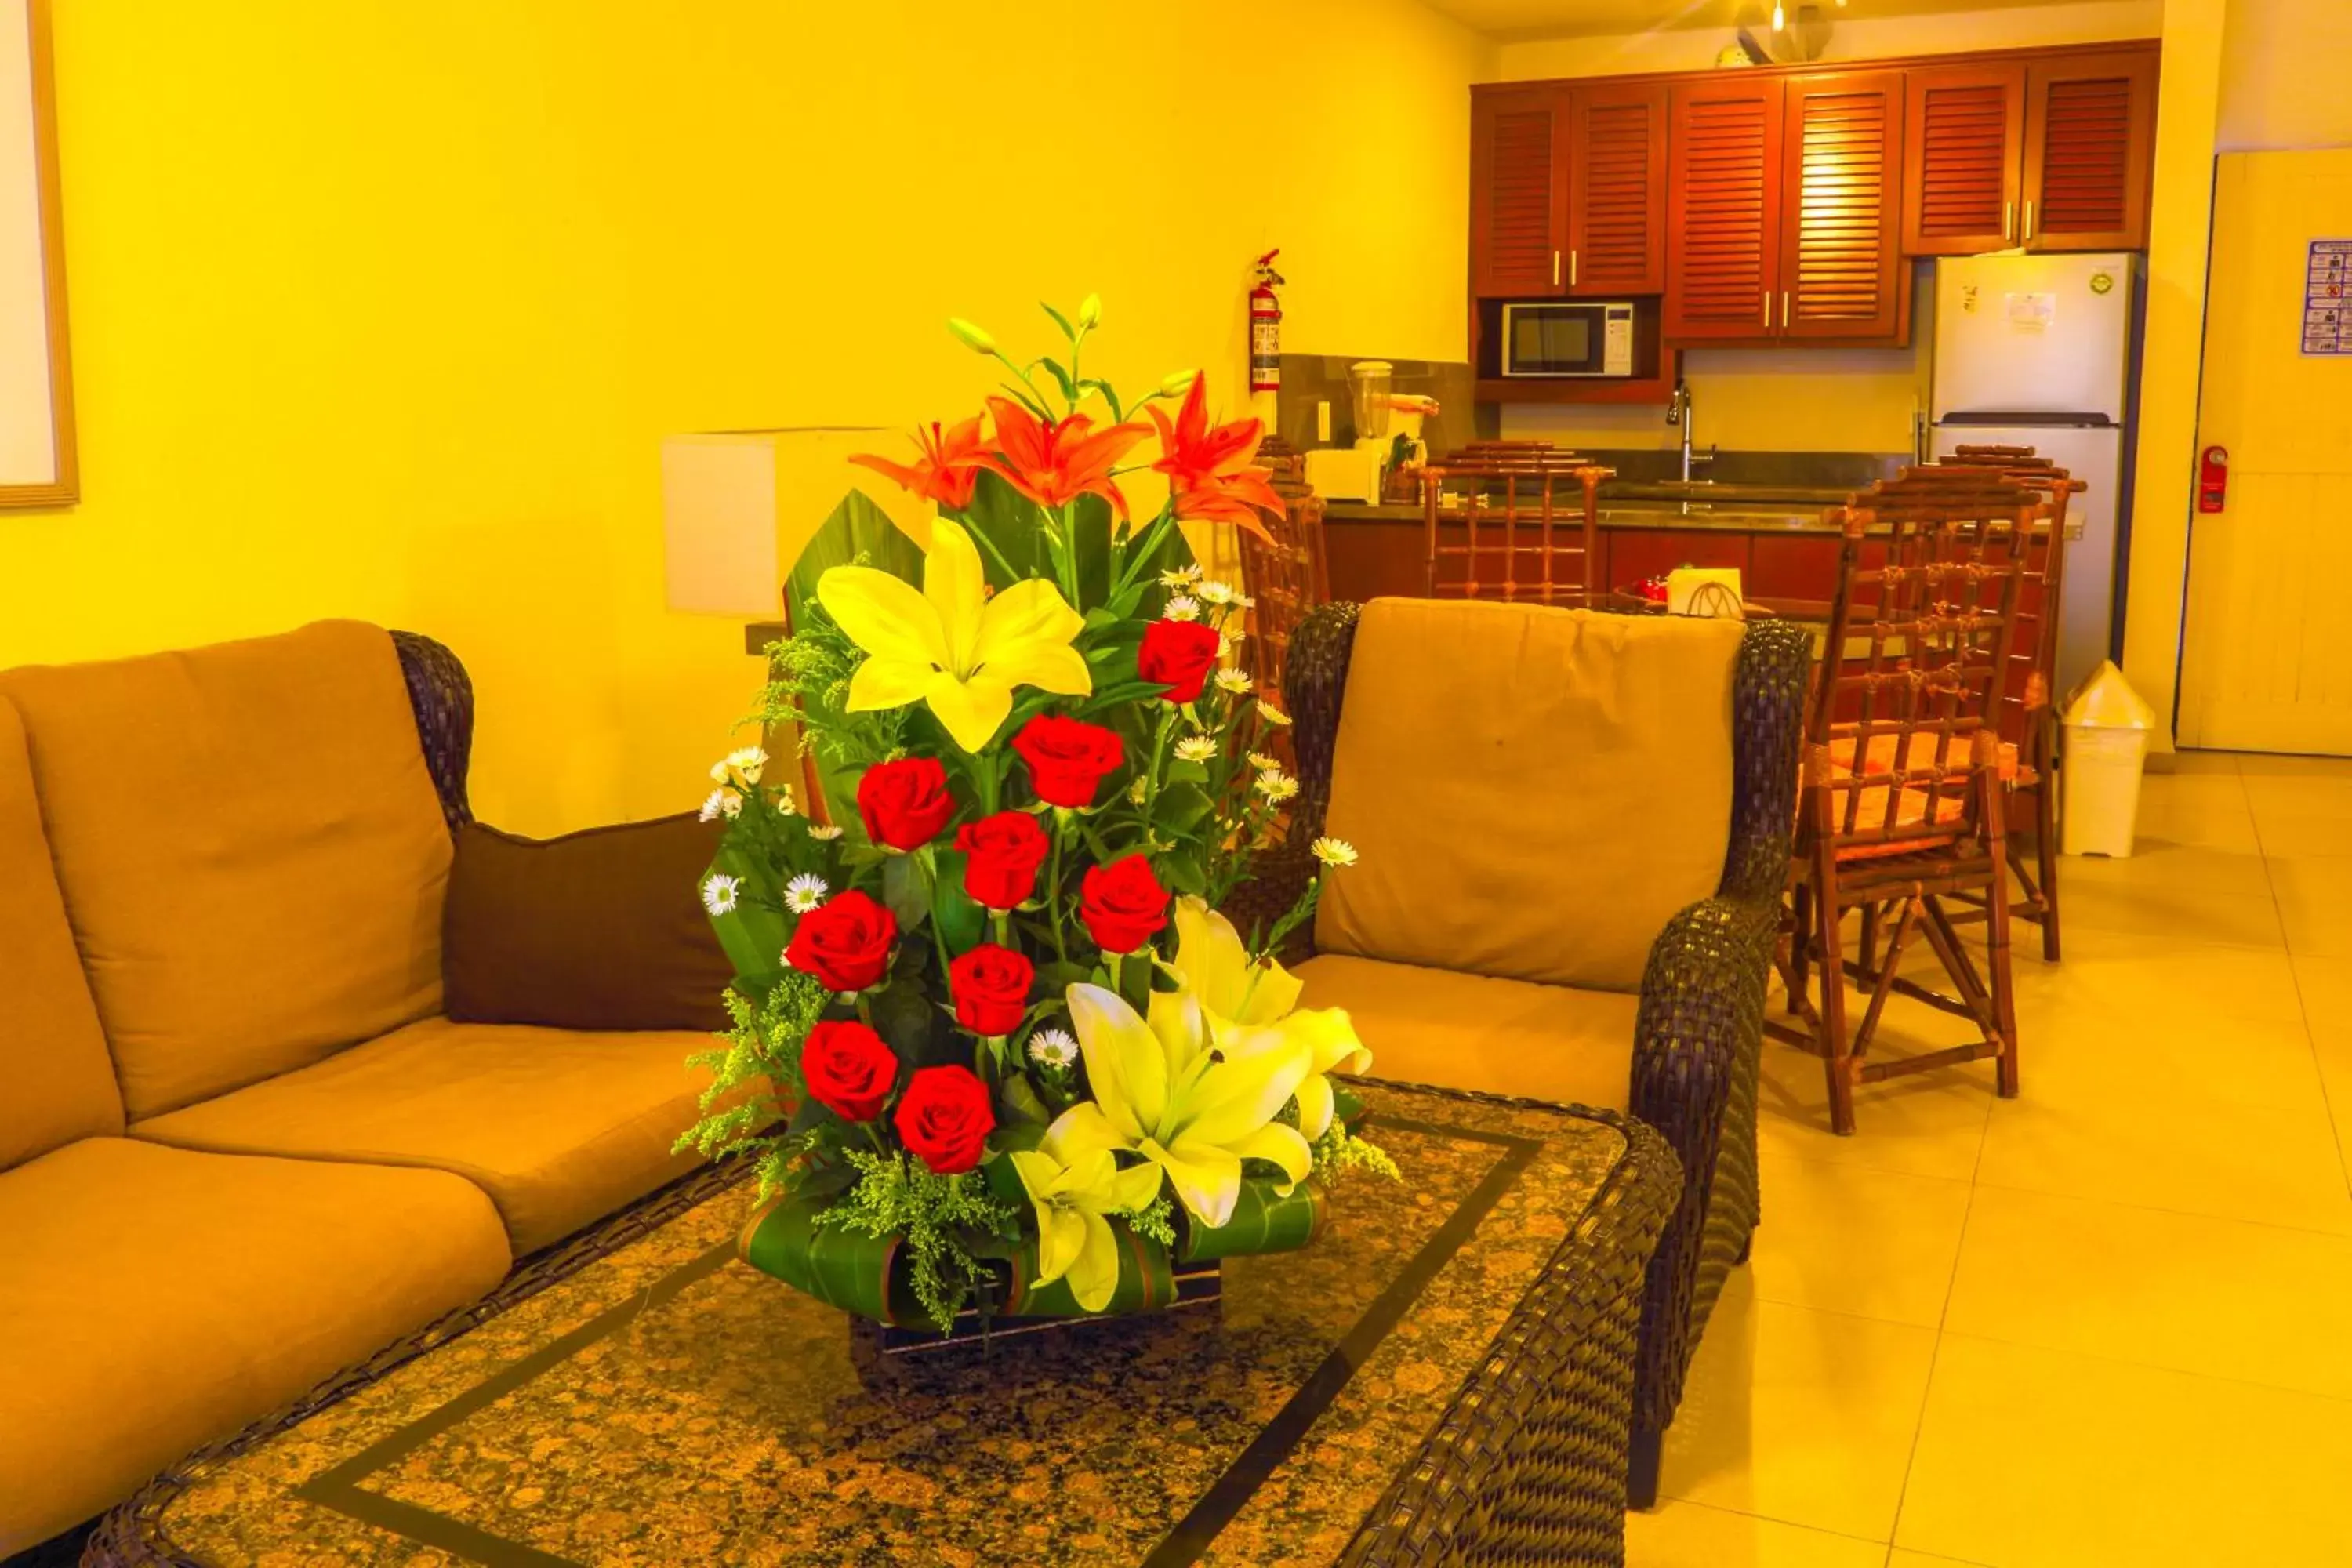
(153, 1301)
(252, 854)
(1533, 792)
(560, 1127)
(55, 1082)
(1470, 1031)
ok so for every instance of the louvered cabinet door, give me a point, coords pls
(1518, 191)
(1723, 209)
(1964, 132)
(2090, 152)
(1617, 191)
(1842, 263)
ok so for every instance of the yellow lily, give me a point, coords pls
(1253, 1009)
(953, 645)
(1161, 1090)
(1073, 1180)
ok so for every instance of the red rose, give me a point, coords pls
(844, 942)
(1004, 852)
(944, 1118)
(905, 803)
(1067, 758)
(1123, 904)
(1179, 655)
(848, 1070)
(991, 987)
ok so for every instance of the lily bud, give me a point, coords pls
(1090, 312)
(1178, 383)
(974, 338)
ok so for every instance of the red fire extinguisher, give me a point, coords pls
(1266, 327)
(2212, 479)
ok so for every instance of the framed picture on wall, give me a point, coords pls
(36, 431)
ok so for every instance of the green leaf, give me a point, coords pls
(752, 934)
(1009, 526)
(1146, 1281)
(961, 920)
(1182, 807)
(1060, 320)
(838, 1266)
(1261, 1222)
(907, 890)
(1183, 874)
(1062, 379)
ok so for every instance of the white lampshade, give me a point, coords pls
(737, 507)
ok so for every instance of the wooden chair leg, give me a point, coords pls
(2046, 851)
(1801, 947)
(2004, 993)
(1837, 1061)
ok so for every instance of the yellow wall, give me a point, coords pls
(382, 307)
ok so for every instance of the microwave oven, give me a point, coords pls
(1568, 338)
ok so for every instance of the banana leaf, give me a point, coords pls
(1262, 1221)
(752, 933)
(1146, 1282)
(859, 1274)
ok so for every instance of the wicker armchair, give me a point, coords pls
(1700, 1009)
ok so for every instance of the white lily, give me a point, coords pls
(1073, 1180)
(1160, 1088)
(1252, 1009)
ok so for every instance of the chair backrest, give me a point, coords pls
(1285, 573)
(1522, 531)
(1906, 708)
(2034, 661)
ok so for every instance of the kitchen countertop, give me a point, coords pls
(1744, 516)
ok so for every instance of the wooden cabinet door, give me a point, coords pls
(1723, 208)
(2089, 151)
(1617, 190)
(1964, 135)
(1840, 206)
(1518, 191)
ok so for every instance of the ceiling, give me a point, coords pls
(1577, 19)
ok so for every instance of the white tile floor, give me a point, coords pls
(2109, 1322)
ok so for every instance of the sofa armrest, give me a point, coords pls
(1694, 1050)
(1768, 717)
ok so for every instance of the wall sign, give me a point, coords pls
(36, 440)
(2326, 313)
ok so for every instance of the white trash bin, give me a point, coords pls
(2108, 727)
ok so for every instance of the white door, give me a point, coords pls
(2266, 655)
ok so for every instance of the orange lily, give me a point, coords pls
(1055, 463)
(947, 468)
(1209, 470)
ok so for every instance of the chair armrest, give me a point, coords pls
(1768, 720)
(441, 698)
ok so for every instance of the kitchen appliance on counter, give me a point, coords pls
(1568, 338)
(2034, 351)
(1355, 472)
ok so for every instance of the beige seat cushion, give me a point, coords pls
(56, 1081)
(1533, 792)
(153, 1301)
(560, 1127)
(252, 854)
(1469, 1031)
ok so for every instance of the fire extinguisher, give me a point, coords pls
(1266, 327)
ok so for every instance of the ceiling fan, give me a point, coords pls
(1789, 34)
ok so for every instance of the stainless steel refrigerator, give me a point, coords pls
(2035, 351)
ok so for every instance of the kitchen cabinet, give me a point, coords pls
(2054, 153)
(1566, 191)
(1723, 208)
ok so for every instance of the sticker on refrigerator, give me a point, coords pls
(2326, 314)
(2031, 312)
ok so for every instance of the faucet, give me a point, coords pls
(1678, 412)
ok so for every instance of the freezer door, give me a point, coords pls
(2094, 456)
(2032, 335)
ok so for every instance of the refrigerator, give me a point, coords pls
(2036, 351)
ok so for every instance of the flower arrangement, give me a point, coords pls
(992, 1040)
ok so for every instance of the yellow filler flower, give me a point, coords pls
(953, 645)
(1073, 1180)
(1252, 1009)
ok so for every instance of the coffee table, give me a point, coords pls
(1448, 1368)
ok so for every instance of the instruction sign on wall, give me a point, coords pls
(2326, 310)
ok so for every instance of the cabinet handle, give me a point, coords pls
(1784, 310)
(1768, 310)
(2008, 219)
(1555, 268)
(2029, 219)
(1571, 268)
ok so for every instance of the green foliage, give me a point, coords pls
(1156, 1220)
(1339, 1153)
(760, 1043)
(940, 1218)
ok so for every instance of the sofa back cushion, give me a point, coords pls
(1533, 791)
(56, 1083)
(252, 855)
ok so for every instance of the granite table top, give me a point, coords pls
(666, 1405)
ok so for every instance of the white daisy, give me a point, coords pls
(1233, 681)
(1276, 786)
(1263, 763)
(1245, 602)
(1182, 607)
(749, 761)
(1134, 791)
(824, 830)
(785, 804)
(719, 892)
(1180, 576)
(1215, 592)
(1334, 851)
(1195, 748)
(1233, 636)
(1053, 1047)
(721, 803)
(807, 890)
(1270, 714)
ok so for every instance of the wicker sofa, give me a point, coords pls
(1573, 832)
(240, 1148)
